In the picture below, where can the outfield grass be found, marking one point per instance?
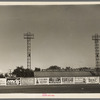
(76, 88)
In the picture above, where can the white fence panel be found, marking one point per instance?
(41, 81)
(92, 80)
(80, 80)
(67, 80)
(2, 81)
(55, 80)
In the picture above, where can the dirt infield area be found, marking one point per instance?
(76, 88)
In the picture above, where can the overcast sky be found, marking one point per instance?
(63, 35)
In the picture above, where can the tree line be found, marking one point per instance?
(24, 72)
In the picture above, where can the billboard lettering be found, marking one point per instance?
(68, 80)
(41, 81)
(54, 80)
(13, 81)
(80, 80)
(92, 80)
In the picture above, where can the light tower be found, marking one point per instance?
(96, 38)
(28, 36)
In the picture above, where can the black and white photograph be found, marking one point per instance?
(50, 49)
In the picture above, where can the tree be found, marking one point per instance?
(29, 73)
(55, 67)
(21, 72)
(1, 76)
(68, 68)
(6, 75)
(84, 69)
(37, 69)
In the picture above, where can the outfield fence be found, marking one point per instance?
(48, 81)
(68, 80)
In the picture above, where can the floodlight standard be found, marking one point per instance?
(28, 36)
(96, 38)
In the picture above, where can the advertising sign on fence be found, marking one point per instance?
(55, 80)
(2, 81)
(68, 80)
(80, 80)
(27, 81)
(13, 81)
(41, 81)
(92, 80)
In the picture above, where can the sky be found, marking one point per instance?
(62, 35)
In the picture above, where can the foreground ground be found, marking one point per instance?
(76, 88)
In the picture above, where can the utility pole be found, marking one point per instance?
(96, 38)
(10, 73)
(28, 36)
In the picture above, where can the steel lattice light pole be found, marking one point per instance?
(28, 36)
(96, 38)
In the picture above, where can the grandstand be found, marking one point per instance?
(63, 74)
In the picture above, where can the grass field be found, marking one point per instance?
(76, 88)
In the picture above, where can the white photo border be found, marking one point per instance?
(56, 95)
